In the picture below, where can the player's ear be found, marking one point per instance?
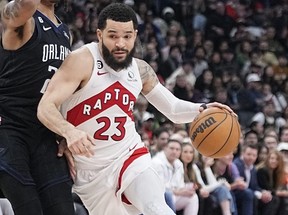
(136, 32)
(99, 34)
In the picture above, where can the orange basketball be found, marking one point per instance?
(215, 132)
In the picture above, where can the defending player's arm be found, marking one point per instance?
(177, 110)
(18, 23)
(17, 13)
(67, 80)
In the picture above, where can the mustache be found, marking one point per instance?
(120, 49)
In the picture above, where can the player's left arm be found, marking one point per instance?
(177, 110)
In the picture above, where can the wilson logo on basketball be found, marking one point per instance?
(200, 129)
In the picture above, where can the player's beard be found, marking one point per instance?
(51, 1)
(112, 62)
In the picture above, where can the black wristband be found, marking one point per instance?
(204, 106)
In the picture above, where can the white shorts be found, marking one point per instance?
(102, 191)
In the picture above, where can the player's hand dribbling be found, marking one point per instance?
(79, 142)
(217, 104)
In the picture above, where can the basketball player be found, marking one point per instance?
(34, 44)
(96, 87)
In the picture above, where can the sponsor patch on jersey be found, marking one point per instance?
(131, 76)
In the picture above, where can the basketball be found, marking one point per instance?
(215, 132)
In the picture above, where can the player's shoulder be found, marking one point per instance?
(143, 66)
(80, 58)
(141, 62)
(82, 52)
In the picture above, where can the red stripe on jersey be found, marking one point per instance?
(136, 154)
(116, 94)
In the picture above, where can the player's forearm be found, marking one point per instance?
(50, 116)
(178, 111)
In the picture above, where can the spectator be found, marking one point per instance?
(209, 186)
(281, 69)
(266, 56)
(263, 151)
(243, 53)
(284, 119)
(233, 89)
(283, 134)
(268, 116)
(277, 99)
(246, 166)
(270, 177)
(199, 60)
(250, 99)
(283, 207)
(273, 42)
(141, 115)
(258, 128)
(225, 168)
(160, 139)
(204, 83)
(152, 54)
(219, 25)
(182, 89)
(171, 171)
(271, 142)
(251, 138)
(186, 69)
(173, 61)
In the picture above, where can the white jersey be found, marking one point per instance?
(104, 109)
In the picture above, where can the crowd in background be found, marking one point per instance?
(231, 51)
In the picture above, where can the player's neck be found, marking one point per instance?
(49, 12)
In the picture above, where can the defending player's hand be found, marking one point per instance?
(63, 149)
(79, 143)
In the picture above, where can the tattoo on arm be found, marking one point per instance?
(147, 72)
(148, 76)
(11, 10)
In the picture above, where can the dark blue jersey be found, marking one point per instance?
(26, 72)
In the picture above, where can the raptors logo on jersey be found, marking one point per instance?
(116, 94)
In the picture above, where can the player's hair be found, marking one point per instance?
(117, 12)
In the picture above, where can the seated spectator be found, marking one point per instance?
(173, 61)
(270, 142)
(250, 99)
(271, 177)
(283, 134)
(204, 83)
(140, 113)
(159, 141)
(258, 127)
(263, 151)
(283, 207)
(268, 116)
(251, 138)
(225, 168)
(209, 186)
(185, 69)
(246, 166)
(171, 171)
(182, 89)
